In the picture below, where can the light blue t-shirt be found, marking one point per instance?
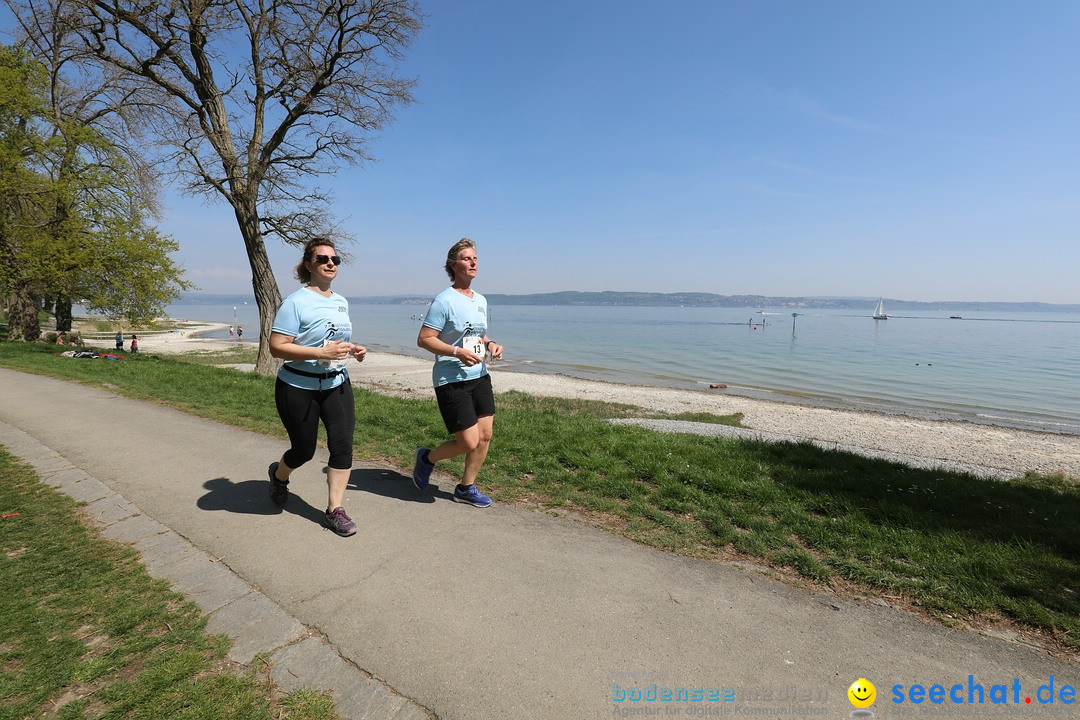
(458, 319)
(313, 320)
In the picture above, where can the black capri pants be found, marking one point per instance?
(301, 410)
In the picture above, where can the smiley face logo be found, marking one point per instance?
(862, 693)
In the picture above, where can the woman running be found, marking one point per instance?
(455, 330)
(312, 333)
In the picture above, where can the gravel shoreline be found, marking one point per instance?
(987, 450)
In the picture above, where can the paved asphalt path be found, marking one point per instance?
(466, 614)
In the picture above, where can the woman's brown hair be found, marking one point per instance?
(302, 273)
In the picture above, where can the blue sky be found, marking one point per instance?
(916, 150)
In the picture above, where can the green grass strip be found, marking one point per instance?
(958, 546)
(85, 632)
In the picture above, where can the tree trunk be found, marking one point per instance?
(267, 295)
(63, 312)
(22, 310)
(22, 315)
(62, 238)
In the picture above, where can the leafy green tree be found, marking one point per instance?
(75, 225)
(104, 189)
(102, 250)
(22, 108)
(125, 278)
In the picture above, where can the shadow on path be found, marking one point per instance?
(252, 497)
(392, 484)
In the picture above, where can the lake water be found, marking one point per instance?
(1016, 369)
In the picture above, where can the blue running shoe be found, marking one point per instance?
(421, 471)
(469, 494)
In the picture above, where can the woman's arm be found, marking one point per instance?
(284, 347)
(429, 340)
(493, 348)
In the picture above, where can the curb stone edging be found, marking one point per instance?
(300, 657)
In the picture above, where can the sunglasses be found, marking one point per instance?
(323, 259)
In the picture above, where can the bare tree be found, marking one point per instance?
(255, 97)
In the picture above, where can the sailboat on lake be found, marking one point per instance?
(879, 313)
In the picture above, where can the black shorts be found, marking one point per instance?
(462, 403)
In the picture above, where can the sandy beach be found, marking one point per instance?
(992, 451)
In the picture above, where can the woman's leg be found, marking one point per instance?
(474, 459)
(464, 442)
(471, 403)
(299, 413)
(282, 471)
(473, 443)
(336, 483)
(339, 417)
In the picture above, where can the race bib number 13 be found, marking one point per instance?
(475, 345)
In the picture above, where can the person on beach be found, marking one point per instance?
(119, 341)
(240, 333)
(455, 330)
(134, 343)
(313, 334)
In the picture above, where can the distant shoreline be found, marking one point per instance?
(688, 299)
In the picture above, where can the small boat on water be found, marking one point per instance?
(955, 317)
(879, 313)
